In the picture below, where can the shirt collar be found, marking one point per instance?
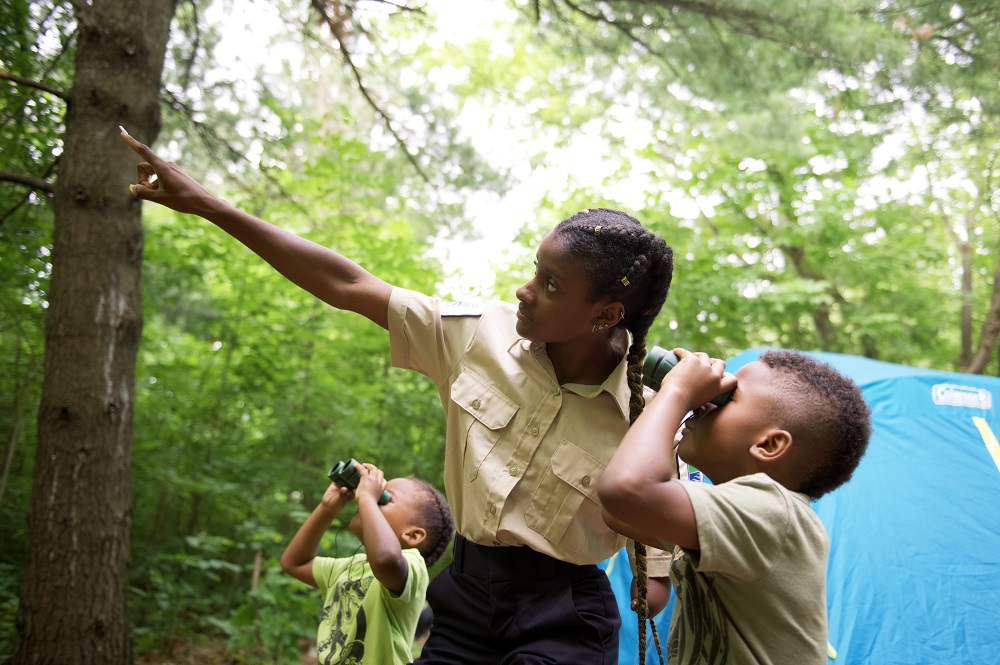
(615, 385)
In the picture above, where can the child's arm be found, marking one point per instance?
(297, 560)
(322, 272)
(385, 554)
(657, 588)
(639, 489)
(627, 530)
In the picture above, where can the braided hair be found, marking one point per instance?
(434, 516)
(634, 266)
(628, 263)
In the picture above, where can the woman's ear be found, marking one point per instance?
(609, 315)
(772, 446)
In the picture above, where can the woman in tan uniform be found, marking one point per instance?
(537, 398)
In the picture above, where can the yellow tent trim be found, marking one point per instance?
(989, 438)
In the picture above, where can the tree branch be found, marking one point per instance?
(38, 85)
(187, 63)
(211, 140)
(37, 180)
(401, 7)
(34, 182)
(336, 26)
(756, 24)
(625, 29)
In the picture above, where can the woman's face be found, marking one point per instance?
(555, 305)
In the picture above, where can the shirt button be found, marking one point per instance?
(586, 481)
(513, 470)
(556, 391)
(476, 404)
(534, 431)
(493, 509)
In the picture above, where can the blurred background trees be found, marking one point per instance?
(826, 176)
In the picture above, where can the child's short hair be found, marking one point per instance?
(827, 416)
(434, 515)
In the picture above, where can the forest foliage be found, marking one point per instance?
(826, 177)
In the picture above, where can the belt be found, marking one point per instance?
(509, 563)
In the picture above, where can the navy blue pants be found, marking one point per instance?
(514, 606)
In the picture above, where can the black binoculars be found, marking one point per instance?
(658, 362)
(345, 475)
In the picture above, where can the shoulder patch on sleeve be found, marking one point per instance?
(451, 308)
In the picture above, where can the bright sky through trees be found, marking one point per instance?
(499, 134)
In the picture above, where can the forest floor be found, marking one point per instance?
(188, 654)
(204, 654)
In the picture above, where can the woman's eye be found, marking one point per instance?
(550, 287)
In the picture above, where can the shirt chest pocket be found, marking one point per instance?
(483, 413)
(565, 507)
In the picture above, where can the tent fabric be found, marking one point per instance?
(620, 574)
(914, 570)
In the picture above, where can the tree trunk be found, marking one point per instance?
(965, 318)
(990, 331)
(73, 598)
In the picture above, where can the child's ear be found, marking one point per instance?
(414, 535)
(772, 445)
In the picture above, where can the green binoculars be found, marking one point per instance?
(658, 362)
(346, 475)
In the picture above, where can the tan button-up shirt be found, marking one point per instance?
(523, 452)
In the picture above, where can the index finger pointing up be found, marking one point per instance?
(141, 149)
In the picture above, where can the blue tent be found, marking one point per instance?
(620, 575)
(914, 570)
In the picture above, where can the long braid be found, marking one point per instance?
(635, 266)
(434, 516)
(642, 604)
(659, 285)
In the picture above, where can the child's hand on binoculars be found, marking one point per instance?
(697, 378)
(372, 481)
(336, 496)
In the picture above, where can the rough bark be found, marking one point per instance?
(989, 332)
(73, 599)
